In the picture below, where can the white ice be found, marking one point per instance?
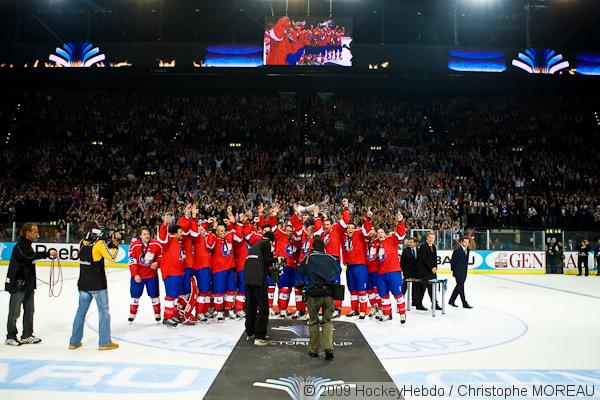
(523, 329)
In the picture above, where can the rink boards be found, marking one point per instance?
(480, 261)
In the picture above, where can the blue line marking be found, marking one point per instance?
(544, 287)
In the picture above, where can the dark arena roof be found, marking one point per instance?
(406, 48)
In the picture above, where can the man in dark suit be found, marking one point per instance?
(258, 265)
(408, 262)
(459, 264)
(426, 270)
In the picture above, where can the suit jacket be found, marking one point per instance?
(408, 263)
(426, 260)
(258, 263)
(459, 263)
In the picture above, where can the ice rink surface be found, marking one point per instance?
(523, 330)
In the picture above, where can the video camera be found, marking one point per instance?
(105, 234)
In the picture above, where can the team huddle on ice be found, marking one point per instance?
(202, 263)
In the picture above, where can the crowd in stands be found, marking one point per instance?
(448, 164)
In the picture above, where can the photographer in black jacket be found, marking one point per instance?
(322, 271)
(21, 284)
(258, 264)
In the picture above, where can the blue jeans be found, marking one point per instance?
(85, 299)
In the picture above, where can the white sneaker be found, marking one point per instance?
(220, 316)
(241, 314)
(12, 342)
(31, 340)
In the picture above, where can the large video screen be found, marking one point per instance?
(308, 41)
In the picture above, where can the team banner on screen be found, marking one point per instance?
(308, 41)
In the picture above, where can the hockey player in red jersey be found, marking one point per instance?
(287, 244)
(240, 252)
(279, 44)
(223, 267)
(202, 265)
(372, 275)
(355, 256)
(144, 255)
(185, 222)
(332, 236)
(389, 270)
(263, 225)
(172, 268)
(306, 230)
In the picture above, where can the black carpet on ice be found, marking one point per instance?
(286, 363)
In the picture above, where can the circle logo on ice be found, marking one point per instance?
(212, 338)
(423, 337)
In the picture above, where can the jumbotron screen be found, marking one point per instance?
(308, 41)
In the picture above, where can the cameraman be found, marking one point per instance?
(93, 250)
(258, 264)
(322, 271)
(21, 284)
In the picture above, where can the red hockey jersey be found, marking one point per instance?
(355, 247)
(186, 243)
(333, 238)
(387, 250)
(202, 256)
(222, 250)
(171, 263)
(141, 257)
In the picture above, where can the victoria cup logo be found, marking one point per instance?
(302, 337)
(78, 55)
(299, 388)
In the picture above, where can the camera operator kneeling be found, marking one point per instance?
(321, 270)
(93, 250)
